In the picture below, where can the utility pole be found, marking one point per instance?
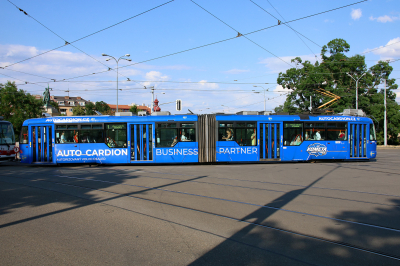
(385, 123)
(152, 98)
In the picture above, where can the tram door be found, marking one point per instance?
(41, 144)
(141, 142)
(358, 140)
(270, 141)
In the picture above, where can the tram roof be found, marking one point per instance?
(192, 117)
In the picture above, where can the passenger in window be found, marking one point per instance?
(62, 139)
(317, 136)
(110, 143)
(76, 137)
(253, 139)
(341, 135)
(174, 141)
(297, 140)
(229, 135)
(183, 137)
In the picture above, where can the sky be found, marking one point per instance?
(190, 50)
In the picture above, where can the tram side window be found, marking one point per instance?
(115, 135)
(166, 135)
(336, 131)
(187, 132)
(92, 133)
(292, 134)
(314, 131)
(246, 134)
(225, 132)
(169, 134)
(67, 134)
(24, 135)
(372, 134)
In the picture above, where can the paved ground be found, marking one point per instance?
(264, 214)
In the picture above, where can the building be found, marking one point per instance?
(67, 104)
(125, 108)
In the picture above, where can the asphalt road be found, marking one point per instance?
(248, 214)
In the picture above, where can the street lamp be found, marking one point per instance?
(356, 87)
(264, 94)
(122, 57)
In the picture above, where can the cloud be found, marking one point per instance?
(204, 84)
(236, 71)
(276, 65)
(384, 19)
(329, 20)
(388, 51)
(356, 14)
(154, 76)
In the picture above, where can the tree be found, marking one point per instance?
(331, 76)
(89, 108)
(55, 105)
(78, 111)
(133, 109)
(16, 105)
(102, 107)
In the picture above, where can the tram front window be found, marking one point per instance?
(6, 134)
(372, 135)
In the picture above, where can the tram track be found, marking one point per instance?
(271, 190)
(254, 181)
(119, 195)
(275, 183)
(264, 189)
(147, 188)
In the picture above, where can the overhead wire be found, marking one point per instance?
(295, 31)
(18, 79)
(67, 43)
(239, 34)
(71, 43)
(221, 41)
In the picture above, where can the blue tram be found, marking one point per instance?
(245, 137)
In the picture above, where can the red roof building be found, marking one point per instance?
(125, 108)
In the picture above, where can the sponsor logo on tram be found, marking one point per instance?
(160, 152)
(78, 153)
(317, 149)
(67, 120)
(337, 118)
(247, 150)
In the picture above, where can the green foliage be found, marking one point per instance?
(279, 109)
(89, 108)
(16, 105)
(102, 107)
(133, 109)
(78, 111)
(55, 105)
(330, 75)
